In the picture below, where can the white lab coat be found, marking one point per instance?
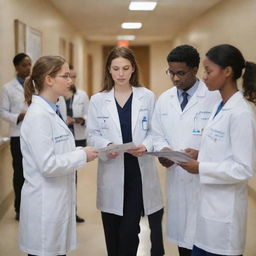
(48, 197)
(103, 127)
(12, 103)
(179, 130)
(227, 161)
(80, 109)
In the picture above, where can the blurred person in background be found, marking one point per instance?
(13, 110)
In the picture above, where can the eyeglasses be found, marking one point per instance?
(179, 74)
(66, 77)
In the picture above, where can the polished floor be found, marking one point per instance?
(90, 233)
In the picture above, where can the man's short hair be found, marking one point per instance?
(19, 58)
(185, 53)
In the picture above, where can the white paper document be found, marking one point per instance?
(175, 156)
(118, 148)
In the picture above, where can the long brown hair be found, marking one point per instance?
(46, 65)
(125, 53)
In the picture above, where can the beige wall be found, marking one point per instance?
(95, 50)
(231, 21)
(40, 15)
(5, 172)
(160, 82)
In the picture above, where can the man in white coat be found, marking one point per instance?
(74, 110)
(13, 110)
(179, 118)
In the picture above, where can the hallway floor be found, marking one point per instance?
(90, 233)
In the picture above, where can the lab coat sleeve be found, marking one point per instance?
(86, 105)
(148, 141)
(158, 136)
(40, 143)
(94, 135)
(5, 108)
(242, 164)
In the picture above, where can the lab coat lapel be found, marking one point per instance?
(18, 86)
(111, 107)
(46, 107)
(174, 100)
(136, 105)
(198, 95)
(61, 122)
(227, 107)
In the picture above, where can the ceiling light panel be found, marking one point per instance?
(142, 6)
(131, 25)
(126, 37)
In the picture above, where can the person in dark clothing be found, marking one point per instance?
(13, 110)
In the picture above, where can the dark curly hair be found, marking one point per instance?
(185, 53)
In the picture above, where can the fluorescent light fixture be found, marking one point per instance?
(142, 6)
(126, 37)
(131, 25)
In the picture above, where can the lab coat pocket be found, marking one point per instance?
(56, 199)
(218, 202)
(200, 120)
(79, 110)
(103, 122)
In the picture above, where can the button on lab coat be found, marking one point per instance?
(48, 198)
(227, 161)
(12, 104)
(103, 128)
(179, 130)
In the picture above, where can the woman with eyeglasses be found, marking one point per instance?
(128, 183)
(50, 159)
(226, 159)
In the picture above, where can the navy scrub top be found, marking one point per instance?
(131, 164)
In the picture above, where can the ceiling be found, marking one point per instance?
(100, 20)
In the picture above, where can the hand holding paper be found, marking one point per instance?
(113, 150)
(165, 162)
(137, 151)
(175, 156)
(192, 166)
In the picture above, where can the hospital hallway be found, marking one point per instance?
(90, 233)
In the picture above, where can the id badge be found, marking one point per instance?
(144, 123)
(197, 131)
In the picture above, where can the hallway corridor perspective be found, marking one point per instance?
(90, 233)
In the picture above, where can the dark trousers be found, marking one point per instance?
(122, 232)
(184, 251)
(156, 234)
(18, 178)
(200, 252)
(79, 143)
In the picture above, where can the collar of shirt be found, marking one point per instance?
(52, 105)
(190, 92)
(20, 80)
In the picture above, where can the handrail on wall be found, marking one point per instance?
(4, 140)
